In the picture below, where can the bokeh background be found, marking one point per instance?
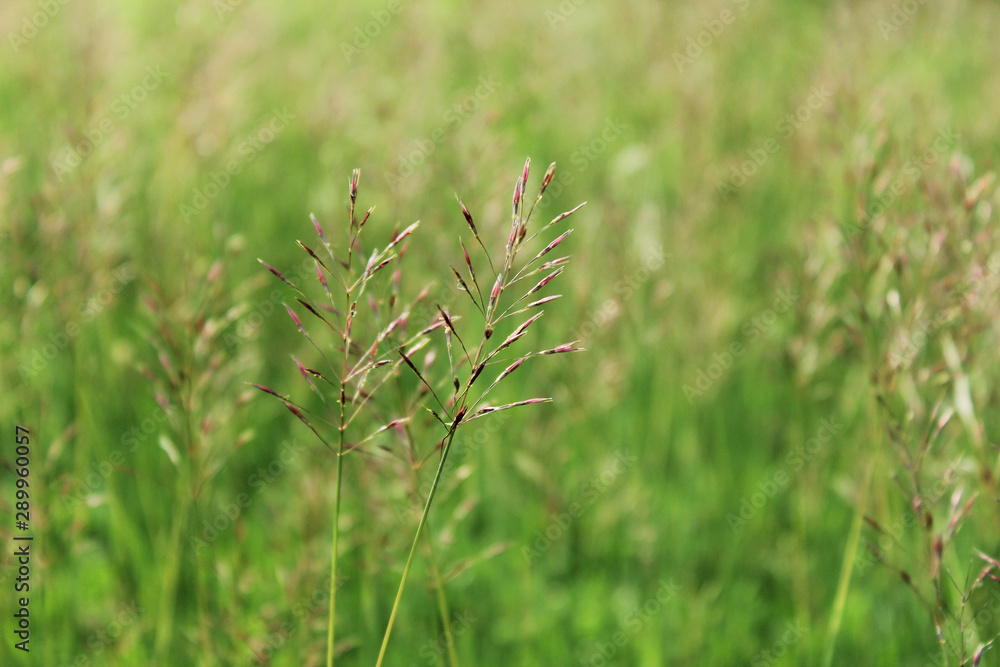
(781, 197)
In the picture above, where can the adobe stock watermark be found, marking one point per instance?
(41, 356)
(713, 29)
(249, 320)
(247, 149)
(984, 617)
(586, 495)
(70, 157)
(586, 154)
(363, 37)
(224, 7)
(904, 351)
(635, 620)
(785, 128)
(106, 637)
(793, 634)
(902, 12)
(906, 176)
(776, 481)
(130, 441)
(890, 534)
(262, 649)
(227, 513)
(451, 118)
(432, 649)
(624, 289)
(752, 330)
(565, 9)
(468, 443)
(31, 25)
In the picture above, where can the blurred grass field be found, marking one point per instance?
(722, 433)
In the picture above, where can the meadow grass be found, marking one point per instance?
(597, 533)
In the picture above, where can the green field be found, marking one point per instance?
(786, 278)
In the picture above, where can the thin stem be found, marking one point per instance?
(165, 626)
(442, 598)
(847, 565)
(208, 654)
(348, 315)
(442, 601)
(416, 540)
(333, 557)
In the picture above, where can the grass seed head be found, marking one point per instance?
(319, 230)
(510, 369)
(468, 217)
(549, 173)
(295, 318)
(266, 390)
(355, 175)
(565, 347)
(517, 197)
(557, 241)
(545, 281)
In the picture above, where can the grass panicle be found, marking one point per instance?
(374, 347)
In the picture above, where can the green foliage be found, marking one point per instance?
(679, 502)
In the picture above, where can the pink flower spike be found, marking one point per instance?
(565, 347)
(510, 369)
(302, 369)
(545, 281)
(321, 277)
(354, 184)
(406, 232)
(487, 410)
(495, 294)
(468, 217)
(298, 413)
(545, 300)
(563, 216)
(295, 318)
(319, 230)
(527, 323)
(556, 262)
(468, 261)
(556, 242)
(266, 390)
(550, 172)
(271, 268)
(437, 325)
(510, 340)
(524, 175)
(530, 401)
(365, 218)
(402, 235)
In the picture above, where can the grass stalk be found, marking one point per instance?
(165, 622)
(847, 565)
(333, 558)
(346, 337)
(353, 377)
(416, 540)
(442, 601)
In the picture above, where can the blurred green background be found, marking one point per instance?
(720, 434)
